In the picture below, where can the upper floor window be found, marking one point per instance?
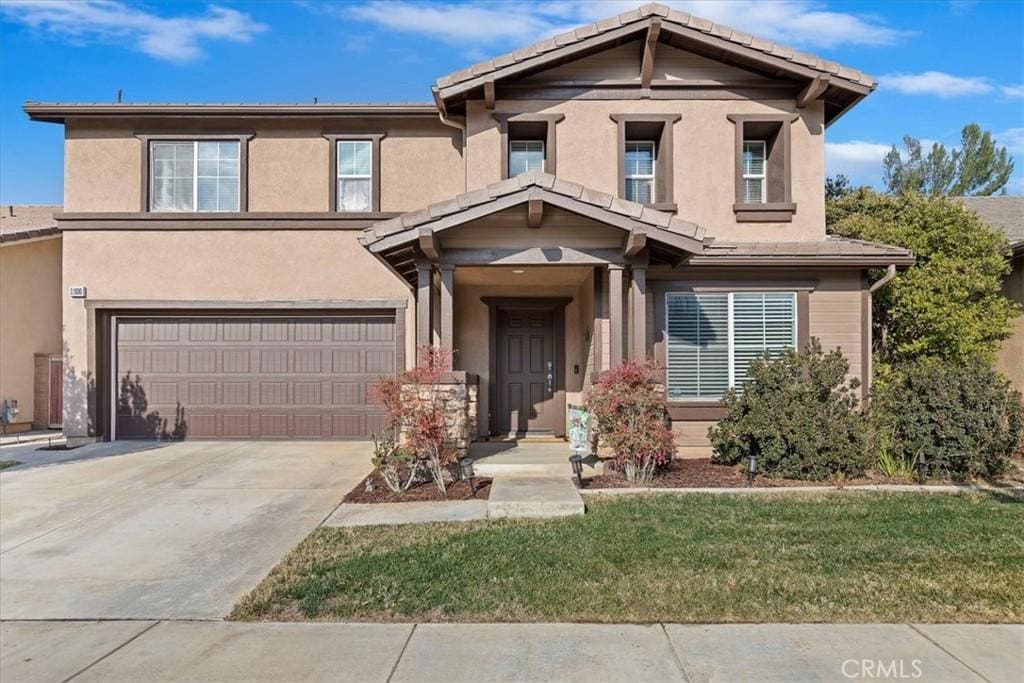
(754, 171)
(355, 175)
(640, 172)
(195, 175)
(713, 337)
(525, 155)
(763, 167)
(645, 158)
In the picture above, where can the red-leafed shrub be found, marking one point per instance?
(415, 414)
(628, 403)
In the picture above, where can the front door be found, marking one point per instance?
(526, 371)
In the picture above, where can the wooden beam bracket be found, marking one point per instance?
(429, 245)
(534, 213)
(635, 243)
(650, 44)
(489, 93)
(812, 91)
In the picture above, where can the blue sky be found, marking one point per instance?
(940, 64)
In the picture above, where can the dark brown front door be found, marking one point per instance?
(526, 371)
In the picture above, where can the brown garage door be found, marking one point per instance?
(251, 377)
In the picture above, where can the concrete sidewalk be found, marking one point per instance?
(228, 651)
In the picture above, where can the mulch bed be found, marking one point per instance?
(425, 491)
(702, 473)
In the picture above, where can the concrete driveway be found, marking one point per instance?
(176, 532)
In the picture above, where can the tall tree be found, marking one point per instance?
(948, 305)
(978, 167)
(836, 187)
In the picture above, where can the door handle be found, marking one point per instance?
(551, 382)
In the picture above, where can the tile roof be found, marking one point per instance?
(656, 220)
(739, 38)
(1002, 213)
(27, 221)
(830, 247)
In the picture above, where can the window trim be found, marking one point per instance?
(730, 335)
(763, 176)
(543, 151)
(334, 139)
(550, 146)
(767, 211)
(663, 150)
(146, 188)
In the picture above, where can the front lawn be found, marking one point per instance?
(853, 557)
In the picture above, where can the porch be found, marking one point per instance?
(535, 286)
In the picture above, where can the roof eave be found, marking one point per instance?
(55, 112)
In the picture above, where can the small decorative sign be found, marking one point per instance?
(76, 291)
(579, 430)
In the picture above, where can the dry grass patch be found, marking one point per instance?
(855, 557)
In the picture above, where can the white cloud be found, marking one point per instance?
(803, 23)
(175, 39)
(1012, 139)
(936, 83)
(1013, 92)
(859, 160)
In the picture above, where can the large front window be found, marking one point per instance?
(714, 336)
(640, 172)
(355, 175)
(195, 175)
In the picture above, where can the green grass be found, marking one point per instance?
(851, 557)
(4, 464)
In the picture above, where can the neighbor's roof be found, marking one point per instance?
(57, 112)
(837, 249)
(1002, 213)
(27, 221)
(682, 23)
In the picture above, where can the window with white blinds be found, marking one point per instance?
(525, 155)
(754, 175)
(640, 172)
(355, 175)
(195, 175)
(713, 337)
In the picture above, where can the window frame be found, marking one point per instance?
(543, 152)
(146, 187)
(799, 334)
(375, 162)
(778, 156)
(506, 122)
(653, 177)
(664, 147)
(763, 176)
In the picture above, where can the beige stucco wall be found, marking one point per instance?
(289, 162)
(703, 155)
(30, 315)
(1010, 360)
(216, 265)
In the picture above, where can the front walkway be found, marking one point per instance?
(233, 651)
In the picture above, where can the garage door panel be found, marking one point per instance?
(251, 377)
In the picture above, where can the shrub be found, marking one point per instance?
(798, 414)
(962, 419)
(628, 403)
(416, 417)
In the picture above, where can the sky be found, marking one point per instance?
(940, 65)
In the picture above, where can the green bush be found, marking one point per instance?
(798, 414)
(961, 419)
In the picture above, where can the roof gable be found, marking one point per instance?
(840, 86)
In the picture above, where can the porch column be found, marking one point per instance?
(423, 305)
(447, 311)
(615, 316)
(639, 309)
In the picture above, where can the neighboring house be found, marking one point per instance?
(1007, 214)
(648, 185)
(30, 318)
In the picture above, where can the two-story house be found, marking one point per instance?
(649, 185)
